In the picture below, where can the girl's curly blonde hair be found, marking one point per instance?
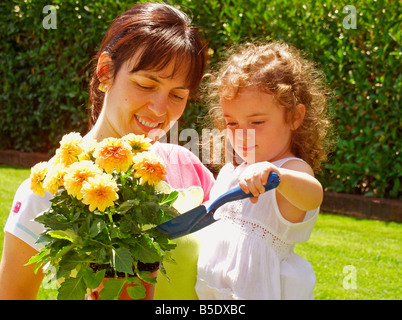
(279, 69)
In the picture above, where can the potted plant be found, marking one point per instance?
(100, 223)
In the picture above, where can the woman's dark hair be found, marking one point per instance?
(163, 33)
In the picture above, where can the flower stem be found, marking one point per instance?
(110, 215)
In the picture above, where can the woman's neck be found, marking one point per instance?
(101, 130)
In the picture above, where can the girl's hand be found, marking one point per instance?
(255, 177)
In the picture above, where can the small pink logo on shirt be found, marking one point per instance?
(17, 207)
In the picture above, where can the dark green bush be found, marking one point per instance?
(44, 79)
(44, 71)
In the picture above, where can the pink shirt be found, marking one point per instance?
(183, 168)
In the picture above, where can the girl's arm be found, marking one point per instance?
(297, 193)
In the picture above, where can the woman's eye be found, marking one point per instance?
(144, 87)
(177, 97)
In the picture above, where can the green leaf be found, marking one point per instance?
(170, 198)
(137, 290)
(93, 279)
(68, 234)
(71, 260)
(127, 205)
(146, 276)
(112, 289)
(38, 256)
(72, 289)
(146, 250)
(97, 227)
(122, 260)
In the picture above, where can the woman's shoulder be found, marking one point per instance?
(25, 208)
(26, 200)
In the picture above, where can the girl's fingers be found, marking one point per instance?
(243, 186)
(254, 185)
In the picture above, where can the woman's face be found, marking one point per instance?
(144, 102)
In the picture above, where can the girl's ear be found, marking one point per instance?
(104, 70)
(298, 116)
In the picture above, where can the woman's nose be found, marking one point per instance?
(159, 104)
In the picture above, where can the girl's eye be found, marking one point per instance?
(231, 124)
(257, 123)
(177, 97)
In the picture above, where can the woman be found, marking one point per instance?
(149, 62)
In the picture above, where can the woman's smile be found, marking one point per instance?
(146, 123)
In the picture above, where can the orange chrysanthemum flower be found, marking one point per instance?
(77, 174)
(113, 154)
(149, 167)
(100, 192)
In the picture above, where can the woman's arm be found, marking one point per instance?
(297, 192)
(17, 281)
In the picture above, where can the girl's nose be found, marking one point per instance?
(246, 132)
(159, 104)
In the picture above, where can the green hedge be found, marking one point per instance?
(44, 74)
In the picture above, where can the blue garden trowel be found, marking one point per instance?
(201, 217)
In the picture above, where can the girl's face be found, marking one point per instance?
(257, 127)
(143, 101)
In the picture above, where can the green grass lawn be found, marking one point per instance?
(352, 258)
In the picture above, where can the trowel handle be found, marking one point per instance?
(237, 193)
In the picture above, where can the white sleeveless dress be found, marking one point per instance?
(248, 253)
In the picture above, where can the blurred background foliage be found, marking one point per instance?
(45, 73)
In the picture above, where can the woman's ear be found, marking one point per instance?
(298, 116)
(104, 70)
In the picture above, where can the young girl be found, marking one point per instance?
(248, 254)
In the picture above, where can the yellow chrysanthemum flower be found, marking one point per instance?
(54, 178)
(149, 167)
(77, 174)
(38, 175)
(88, 149)
(99, 192)
(113, 153)
(70, 149)
(138, 143)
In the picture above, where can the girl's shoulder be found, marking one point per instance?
(283, 161)
(294, 163)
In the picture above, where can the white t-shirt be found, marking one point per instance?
(248, 253)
